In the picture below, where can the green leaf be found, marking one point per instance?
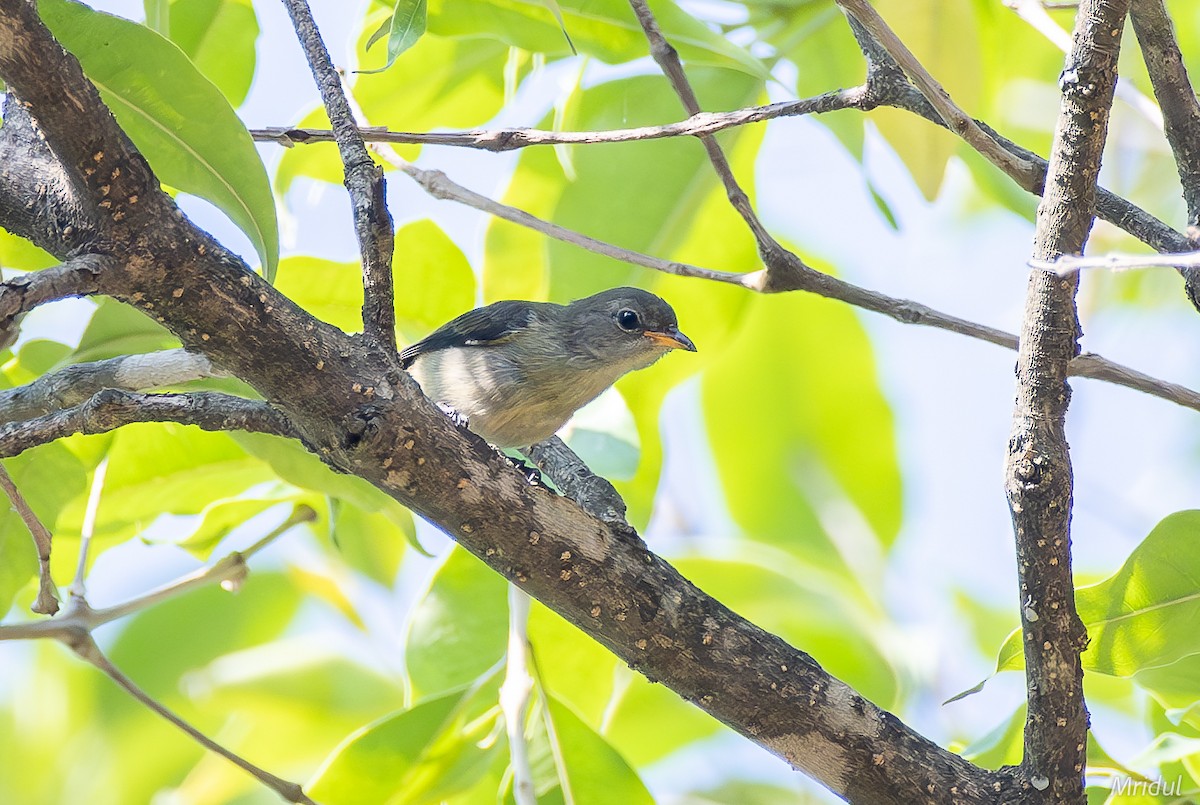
(823, 481)
(144, 648)
(945, 39)
(420, 755)
(301, 468)
(329, 290)
(592, 771)
(605, 29)
(157, 468)
(178, 119)
(406, 27)
(218, 519)
(18, 253)
(1142, 617)
(219, 37)
(459, 628)
(372, 542)
(433, 280)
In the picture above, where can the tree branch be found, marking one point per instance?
(1181, 111)
(74, 384)
(904, 311)
(364, 183)
(780, 262)
(21, 294)
(1039, 480)
(109, 409)
(954, 118)
(47, 597)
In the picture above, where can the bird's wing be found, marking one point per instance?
(493, 324)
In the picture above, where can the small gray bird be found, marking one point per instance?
(518, 370)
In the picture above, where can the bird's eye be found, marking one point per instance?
(628, 320)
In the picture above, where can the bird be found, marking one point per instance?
(517, 371)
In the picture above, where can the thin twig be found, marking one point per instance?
(85, 646)
(1069, 264)
(78, 588)
(109, 409)
(499, 140)
(47, 598)
(364, 182)
(775, 257)
(440, 186)
(229, 571)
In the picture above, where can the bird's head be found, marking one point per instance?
(625, 327)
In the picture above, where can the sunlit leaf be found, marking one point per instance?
(404, 29)
(421, 755)
(459, 627)
(434, 282)
(592, 771)
(606, 29)
(179, 120)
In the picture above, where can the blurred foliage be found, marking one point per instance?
(307, 671)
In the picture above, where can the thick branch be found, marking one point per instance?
(74, 384)
(364, 182)
(1039, 475)
(109, 409)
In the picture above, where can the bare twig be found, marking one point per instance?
(775, 257)
(499, 140)
(74, 629)
(514, 696)
(87, 649)
(74, 277)
(1180, 109)
(1068, 264)
(364, 182)
(72, 385)
(88, 530)
(955, 118)
(111, 408)
(1039, 479)
(47, 597)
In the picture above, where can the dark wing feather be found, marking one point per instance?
(492, 324)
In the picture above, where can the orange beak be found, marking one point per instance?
(672, 339)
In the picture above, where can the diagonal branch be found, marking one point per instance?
(74, 384)
(779, 261)
(109, 409)
(1039, 481)
(47, 597)
(364, 182)
(952, 116)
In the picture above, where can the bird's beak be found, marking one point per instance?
(672, 339)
